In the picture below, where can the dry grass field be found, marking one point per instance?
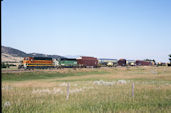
(99, 90)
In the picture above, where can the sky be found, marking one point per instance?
(130, 29)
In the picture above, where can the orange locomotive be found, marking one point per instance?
(37, 62)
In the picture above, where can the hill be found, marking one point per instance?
(9, 54)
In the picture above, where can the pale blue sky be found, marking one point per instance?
(131, 29)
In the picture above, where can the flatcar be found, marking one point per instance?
(130, 62)
(107, 62)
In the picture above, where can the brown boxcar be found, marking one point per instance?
(122, 62)
(87, 61)
(143, 63)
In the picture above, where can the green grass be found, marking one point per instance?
(103, 99)
(151, 94)
(43, 75)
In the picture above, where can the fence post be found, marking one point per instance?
(133, 89)
(67, 97)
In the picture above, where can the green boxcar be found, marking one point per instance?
(68, 62)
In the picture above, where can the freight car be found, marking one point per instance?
(39, 63)
(67, 63)
(85, 61)
(143, 63)
(130, 62)
(107, 62)
(122, 62)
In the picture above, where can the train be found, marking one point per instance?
(38, 62)
(80, 62)
(47, 63)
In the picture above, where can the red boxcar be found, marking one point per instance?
(143, 63)
(87, 61)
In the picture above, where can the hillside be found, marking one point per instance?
(9, 54)
(13, 52)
